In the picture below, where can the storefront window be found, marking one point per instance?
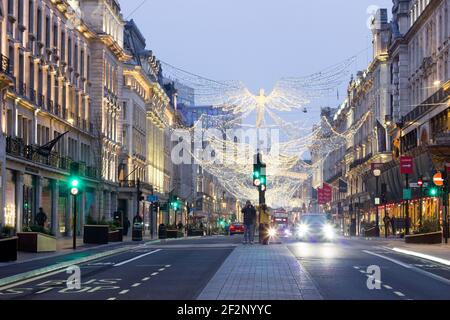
(10, 199)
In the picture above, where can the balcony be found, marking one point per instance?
(6, 76)
(361, 161)
(16, 147)
(425, 107)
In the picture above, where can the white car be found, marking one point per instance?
(315, 227)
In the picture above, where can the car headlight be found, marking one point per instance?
(272, 232)
(328, 231)
(287, 232)
(302, 230)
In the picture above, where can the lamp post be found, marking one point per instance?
(377, 174)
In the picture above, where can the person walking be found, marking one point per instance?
(249, 213)
(126, 226)
(41, 218)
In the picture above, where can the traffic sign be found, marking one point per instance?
(438, 179)
(407, 194)
(416, 185)
(152, 198)
(406, 165)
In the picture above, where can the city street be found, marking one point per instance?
(180, 270)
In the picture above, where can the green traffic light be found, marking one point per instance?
(75, 183)
(263, 180)
(433, 192)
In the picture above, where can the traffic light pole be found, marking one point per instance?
(74, 227)
(407, 208)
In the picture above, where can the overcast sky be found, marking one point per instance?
(256, 41)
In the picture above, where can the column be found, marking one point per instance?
(2, 183)
(54, 212)
(19, 200)
(38, 192)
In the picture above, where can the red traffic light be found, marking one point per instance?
(420, 182)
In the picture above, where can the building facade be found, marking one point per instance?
(402, 99)
(48, 95)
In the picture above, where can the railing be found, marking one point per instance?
(334, 178)
(16, 147)
(425, 107)
(5, 66)
(361, 161)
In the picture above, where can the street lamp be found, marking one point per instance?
(377, 174)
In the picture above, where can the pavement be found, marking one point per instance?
(221, 268)
(256, 272)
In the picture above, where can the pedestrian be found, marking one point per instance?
(126, 226)
(249, 213)
(387, 222)
(393, 225)
(41, 218)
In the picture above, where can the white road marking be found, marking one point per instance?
(146, 279)
(16, 284)
(111, 299)
(423, 256)
(168, 266)
(362, 271)
(407, 266)
(357, 268)
(162, 269)
(136, 285)
(154, 274)
(136, 258)
(399, 294)
(124, 291)
(387, 287)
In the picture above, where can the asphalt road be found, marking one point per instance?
(176, 270)
(179, 270)
(340, 271)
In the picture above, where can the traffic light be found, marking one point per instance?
(74, 185)
(263, 179)
(257, 175)
(433, 192)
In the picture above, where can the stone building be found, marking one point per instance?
(104, 19)
(46, 93)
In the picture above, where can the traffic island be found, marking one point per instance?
(36, 242)
(424, 238)
(8, 249)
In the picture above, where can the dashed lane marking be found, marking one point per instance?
(146, 279)
(154, 274)
(357, 268)
(136, 285)
(124, 291)
(136, 258)
(412, 268)
(399, 293)
(162, 269)
(111, 299)
(387, 287)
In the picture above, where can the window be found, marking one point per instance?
(69, 48)
(20, 13)
(39, 24)
(11, 7)
(63, 46)
(47, 31)
(31, 85)
(31, 16)
(55, 35)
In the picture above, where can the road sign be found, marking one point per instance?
(328, 192)
(438, 179)
(416, 185)
(406, 165)
(407, 194)
(152, 198)
(377, 201)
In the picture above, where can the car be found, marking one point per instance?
(236, 228)
(315, 227)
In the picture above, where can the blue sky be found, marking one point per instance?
(256, 41)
